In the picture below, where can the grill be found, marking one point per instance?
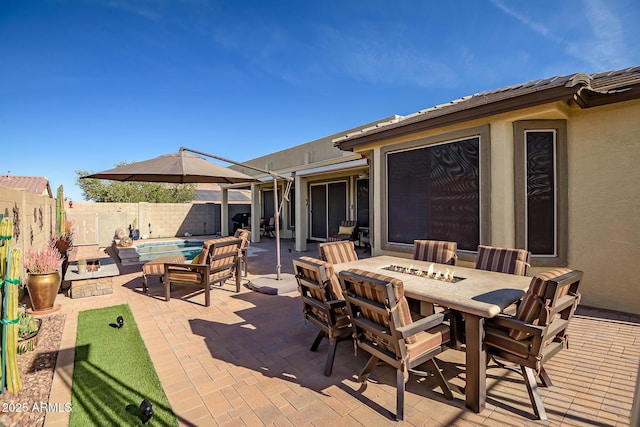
(240, 220)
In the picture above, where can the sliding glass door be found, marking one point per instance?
(328, 208)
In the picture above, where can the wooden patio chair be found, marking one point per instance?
(220, 264)
(348, 230)
(322, 304)
(503, 260)
(437, 251)
(538, 331)
(383, 327)
(338, 252)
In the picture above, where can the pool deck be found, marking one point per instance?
(245, 360)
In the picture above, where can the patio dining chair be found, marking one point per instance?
(217, 264)
(383, 327)
(338, 252)
(322, 304)
(348, 230)
(437, 251)
(538, 331)
(503, 260)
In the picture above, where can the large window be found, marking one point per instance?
(540, 153)
(433, 192)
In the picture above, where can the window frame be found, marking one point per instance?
(520, 129)
(483, 133)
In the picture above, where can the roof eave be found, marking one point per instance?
(590, 98)
(503, 106)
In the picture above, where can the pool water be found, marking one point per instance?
(187, 248)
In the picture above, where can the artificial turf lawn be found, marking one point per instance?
(113, 373)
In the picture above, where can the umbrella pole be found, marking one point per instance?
(276, 217)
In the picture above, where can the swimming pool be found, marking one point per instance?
(187, 248)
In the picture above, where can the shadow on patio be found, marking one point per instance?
(246, 360)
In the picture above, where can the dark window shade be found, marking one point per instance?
(292, 207)
(337, 212)
(318, 211)
(434, 193)
(541, 197)
(362, 201)
(268, 209)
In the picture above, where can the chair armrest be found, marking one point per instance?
(424, 324)
(338, 303)
(512, 323)
(193, 267)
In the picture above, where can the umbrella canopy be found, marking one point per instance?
(177, 168)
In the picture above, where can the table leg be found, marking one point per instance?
(476, 361)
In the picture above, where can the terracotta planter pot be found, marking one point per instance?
(43, 288)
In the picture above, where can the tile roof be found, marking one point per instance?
(586, 90)
(33, 184)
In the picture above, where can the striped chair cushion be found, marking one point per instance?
(503, 260)
(245, 235)
(529, 310)
(156, 267)
(222, 256)
(335, 291)
(398, 292)
(427, 340)
(338, 252)
(437, 251)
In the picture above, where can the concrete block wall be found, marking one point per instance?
(154, 220)
(33, 216)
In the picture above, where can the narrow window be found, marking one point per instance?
(541, 192)
(541, 183)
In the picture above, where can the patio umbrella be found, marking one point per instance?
(183, 167)
(177, 168)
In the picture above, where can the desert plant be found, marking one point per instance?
(44, 260)
(26, 324)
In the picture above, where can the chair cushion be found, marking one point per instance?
(503, 260)
(156, 267)
(530, 307)
(335, 289)
(441, 252)
(345, 230)
(338, 252)
(428, 340)
(404, 313)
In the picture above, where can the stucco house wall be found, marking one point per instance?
(604, 204)
(603, 151)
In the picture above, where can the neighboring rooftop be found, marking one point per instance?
(211, 192)
(33, 184)
(585, 90)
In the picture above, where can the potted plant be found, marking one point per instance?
(28, 328)
(82, 266)
(134, 232)
(64, 243)
(43, 276)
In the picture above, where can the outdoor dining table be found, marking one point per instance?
(477, 294)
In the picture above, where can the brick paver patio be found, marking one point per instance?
(246, 361)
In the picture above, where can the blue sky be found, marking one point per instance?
(85, 84)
